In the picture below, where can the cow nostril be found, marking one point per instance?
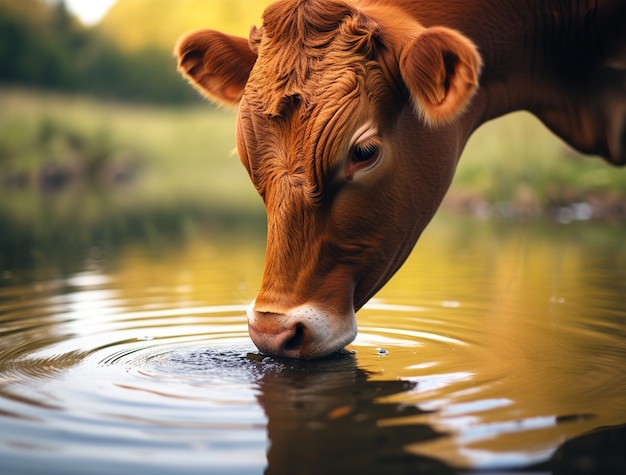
(296, 341)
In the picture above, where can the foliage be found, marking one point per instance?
(49, 153)
(184, 175)
(515, 166)
(183, 153)
(42, 45)
(163, 22)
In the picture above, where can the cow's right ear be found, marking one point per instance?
(218, 65)
(440, 68)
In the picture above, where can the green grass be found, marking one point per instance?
(185, 155)
(515, 158)
(187, 178)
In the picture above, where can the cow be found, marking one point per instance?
(352, 116)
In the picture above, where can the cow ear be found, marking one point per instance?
(440, 68)
(218, 65)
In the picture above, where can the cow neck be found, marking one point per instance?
(528, 52)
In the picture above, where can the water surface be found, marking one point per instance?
(495, 344)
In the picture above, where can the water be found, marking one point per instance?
(495, 344)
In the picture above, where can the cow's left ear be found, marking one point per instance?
(440, 68)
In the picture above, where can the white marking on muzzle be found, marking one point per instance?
(321, 334)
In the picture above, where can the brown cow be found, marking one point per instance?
(352, 117)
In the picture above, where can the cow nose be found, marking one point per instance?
(303, 332)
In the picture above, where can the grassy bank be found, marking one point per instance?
(515, 166)
(172, 155)
(78, 177)
(176, 156)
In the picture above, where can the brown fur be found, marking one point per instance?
(207, 58)
(440, 67)
(323, 83)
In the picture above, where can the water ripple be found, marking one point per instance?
(154, 377)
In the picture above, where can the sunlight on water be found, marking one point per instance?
(491, 347)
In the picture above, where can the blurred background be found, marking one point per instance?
(102, 141)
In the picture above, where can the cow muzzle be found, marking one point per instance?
(303, 332)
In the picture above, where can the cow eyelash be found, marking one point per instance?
(366, 151)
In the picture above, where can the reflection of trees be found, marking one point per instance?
(324, 417)
(65, 230)
(542, 307)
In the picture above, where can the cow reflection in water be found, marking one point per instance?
(324, 417)
(330, 416)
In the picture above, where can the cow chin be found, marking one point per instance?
(304, 332)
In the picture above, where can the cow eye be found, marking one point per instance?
(365, 152)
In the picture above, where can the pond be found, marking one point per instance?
(497, 342)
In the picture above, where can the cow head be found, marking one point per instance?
(346, 128)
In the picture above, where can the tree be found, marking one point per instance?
(43, 45)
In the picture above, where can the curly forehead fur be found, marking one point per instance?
(301, 44)
(317, 62)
